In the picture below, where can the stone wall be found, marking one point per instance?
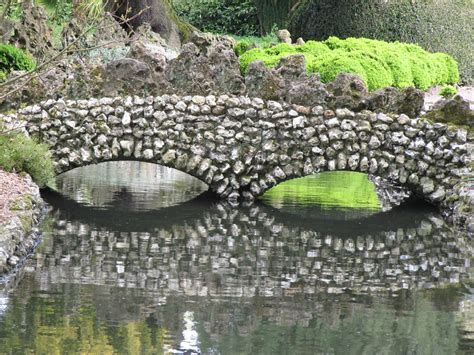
(20, 234)
(242, 146)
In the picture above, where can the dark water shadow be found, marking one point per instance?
(408, 215)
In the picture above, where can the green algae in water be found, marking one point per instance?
(330, 190)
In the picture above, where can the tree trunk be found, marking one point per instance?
(274, 12)
(159, 14)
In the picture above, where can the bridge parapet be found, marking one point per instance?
(242, 146)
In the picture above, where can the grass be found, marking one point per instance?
(21, 154)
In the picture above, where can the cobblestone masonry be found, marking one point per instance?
(241, 146)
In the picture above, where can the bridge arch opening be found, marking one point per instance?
(129, 185)
(336, 195)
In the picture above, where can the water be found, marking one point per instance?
(331, 195)
(118, 274)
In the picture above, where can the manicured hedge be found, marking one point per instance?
(436, 25)
(379, 64)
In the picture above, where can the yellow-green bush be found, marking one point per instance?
(378, 63)
(257, 54)
(313, 47)
(21, 154)
(330, 64)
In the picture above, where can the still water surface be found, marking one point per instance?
(125, 268)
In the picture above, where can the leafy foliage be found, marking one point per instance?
(379, 64)
(12, 58)
(220, 16)
(21, 154)
(448, 91)
(437, 26)
(92, 8)
(246, 43)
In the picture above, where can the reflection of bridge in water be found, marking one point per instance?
(255, 280)
(219, 251)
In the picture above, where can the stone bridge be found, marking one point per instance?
(241, 146)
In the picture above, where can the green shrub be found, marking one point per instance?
(3, 76)
(257, 54)
(242, 46)
(399, 65)
(451, 75)
(314, 48)
(378, 73)
(379, 64)
(437, 26)
(246, 43)
(12, 58)
(220, 16)
(330, 64)
(281, 49)
(21, 154)
(448, 91)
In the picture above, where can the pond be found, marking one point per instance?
(136, 260)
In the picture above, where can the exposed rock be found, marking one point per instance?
(153, 42)
(47, 86)
(287, 82)
(455, 111)
(408, 101)
(149, 54)
(33, 34)
(284, 36)
(214, 72)
(21, 210)
(6, 30)
(347, 91)
(110, 31)
(309, 90)
(292, 67)
(262, 82)
(129, 76)
(300, 41)
(204, 40)
(389, 194)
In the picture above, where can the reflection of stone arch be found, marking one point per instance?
(241, 147)
(249, 251)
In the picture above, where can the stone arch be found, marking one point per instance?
(71, 166)
(242, 146)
